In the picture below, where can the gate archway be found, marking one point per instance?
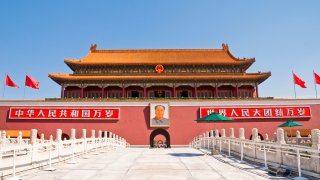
(159, 132)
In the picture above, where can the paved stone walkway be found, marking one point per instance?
(144, 163)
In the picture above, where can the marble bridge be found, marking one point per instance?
(209, 155)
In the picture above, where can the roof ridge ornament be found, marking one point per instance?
(225, 46)
(93, 47)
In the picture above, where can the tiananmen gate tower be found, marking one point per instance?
(148, 95)
(159, 73)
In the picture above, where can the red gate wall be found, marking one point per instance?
(134, 123)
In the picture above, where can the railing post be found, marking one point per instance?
(118, 140)
(41, 138)
(255, 138)
(298, 161)
(213, 143)
(20, 138)
(280, 141)
(231, 133)
(266, 137)
(14, 166)
(216, 136)
(254, 151)
(223, 133)
(105, 141)
(94, 144)
(255, 135)
(315, 135)
(33, 141)
(241, 138)
(50, 159)
(1, 138)
(241, 149)
(84, 138)
(216, 133)
(241, 134)
(4, 138)
(204, 140)
(73, 144)
(73, 134)
(280, 136)
(208, 140)
(58, 140)
(196, 142)
(229, 147)
(211, 132)
(265, 157)
(100, 137)
(114, 142)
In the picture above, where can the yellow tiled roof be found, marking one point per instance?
(160, 56)
(244, 76)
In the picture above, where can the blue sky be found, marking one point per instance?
(37, 36)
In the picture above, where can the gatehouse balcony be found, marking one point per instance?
(159, 92)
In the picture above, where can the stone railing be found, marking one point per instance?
(18, 155)
(301, 159)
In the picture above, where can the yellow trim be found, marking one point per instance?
(14, 133)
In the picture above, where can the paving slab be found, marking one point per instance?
(145, 163)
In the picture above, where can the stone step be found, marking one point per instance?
(279, 171)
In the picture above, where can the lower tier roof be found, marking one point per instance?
(256, 77)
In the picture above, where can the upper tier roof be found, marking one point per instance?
(257, 77)
(159, 56)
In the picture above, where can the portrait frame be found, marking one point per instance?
(166, 115)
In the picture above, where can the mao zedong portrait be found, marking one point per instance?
(159, 119)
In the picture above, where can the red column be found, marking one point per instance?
(195, 90)
(144, 91)
(216, 90)
(257, 90)
(102, 92)
(106, 91)
(237, 91)
(174, 90)
(123, 91)
(62, 91)
(82, 92)
(213, 92)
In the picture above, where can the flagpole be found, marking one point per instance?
(315, 84)
(24, 90)
(4, 88)
(4, 85)
(294, 87)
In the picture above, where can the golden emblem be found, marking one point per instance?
(159, 68)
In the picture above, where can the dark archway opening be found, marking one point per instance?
(134, 94)
(162, 132)
(214, 134)
(261, 137)
(184, 94)
(65, 136)
(159, 94)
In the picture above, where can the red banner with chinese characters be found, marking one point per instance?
(259, 112)
(97, 113)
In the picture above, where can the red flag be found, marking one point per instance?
(10, 83)
(316, 78)
(31, 82)
(299, 81)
